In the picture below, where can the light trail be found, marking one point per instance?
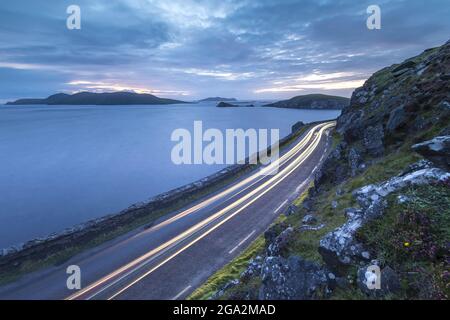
(140, 262)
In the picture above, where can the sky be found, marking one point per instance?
(186, 49)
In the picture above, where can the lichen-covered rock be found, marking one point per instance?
(333, 168)
(292, 279)
(339, 248)
(369, 194)
(436, 150)
(309, 219)
(281, 241)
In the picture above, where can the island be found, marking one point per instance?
(312, 101)
(91, 98)
(223, 104)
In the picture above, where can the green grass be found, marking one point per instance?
(231, 271)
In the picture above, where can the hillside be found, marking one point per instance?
(312, 101)
(380, 200)
(218, 99)
(89, 98)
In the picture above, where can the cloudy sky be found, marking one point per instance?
(249, 49)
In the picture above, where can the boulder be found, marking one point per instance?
(437, 150)
(309, 219)
(292, 209)
(292, 279)
(339, 248)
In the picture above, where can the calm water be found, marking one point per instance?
(63, 165)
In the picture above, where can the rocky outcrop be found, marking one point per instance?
(293, 279)
(436, 150)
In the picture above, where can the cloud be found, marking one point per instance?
(243, 48)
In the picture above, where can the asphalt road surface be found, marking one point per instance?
(183, 249)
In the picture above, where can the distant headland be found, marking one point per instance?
(91, 98)
(218, 99)
(312, 101)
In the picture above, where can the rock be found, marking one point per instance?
(292, 209)
(292, 279)
(273, 232)
(332, 168)
(373, 140)
(367, 195)
(365, 255)
(419, 165)
(311, 228)
(350, 125)
(309, 219)
(402, 199)
(389, 281)
(352, 212)
(437, 150)
(396, 119)
(339, 248)
(280, 242)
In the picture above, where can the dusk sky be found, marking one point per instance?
(188, 49)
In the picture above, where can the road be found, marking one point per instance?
(181, 250)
